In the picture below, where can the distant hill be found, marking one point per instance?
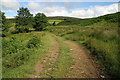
(84, 22)
(61, 18)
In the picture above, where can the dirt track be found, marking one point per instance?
(83, 67)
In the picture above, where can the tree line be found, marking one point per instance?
(25, 20)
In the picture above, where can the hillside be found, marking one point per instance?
(61, 18)
(84, 22)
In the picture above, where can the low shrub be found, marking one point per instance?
(14, 52)
(33, 42)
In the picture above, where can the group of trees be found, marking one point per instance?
(25, 20)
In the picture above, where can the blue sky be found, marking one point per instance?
(71, 9)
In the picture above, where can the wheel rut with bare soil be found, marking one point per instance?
(45, 64)
(83, 67)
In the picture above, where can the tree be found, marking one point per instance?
(4, 25)
(2, 20)
(24, 20)
(40, 21)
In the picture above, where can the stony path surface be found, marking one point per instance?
(83, 67)
(44, 65)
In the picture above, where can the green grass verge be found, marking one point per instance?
(64, 61)
(37, 53)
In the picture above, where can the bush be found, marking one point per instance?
(16, 59)
(15, 32)
(11, 46)
(14, 52)
(33, 42)
(3, 35)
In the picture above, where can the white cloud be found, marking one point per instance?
(9, 4)
(82, 13)
(55, 11)
(7, 10)
(95, 11)
(9, 17)
(102, 10)
(49, 8)
(34, 6)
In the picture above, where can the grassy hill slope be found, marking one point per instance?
(84, 22)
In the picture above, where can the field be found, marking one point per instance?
(73, 48)
(56, 21)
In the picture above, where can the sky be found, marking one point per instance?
(70, 8)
